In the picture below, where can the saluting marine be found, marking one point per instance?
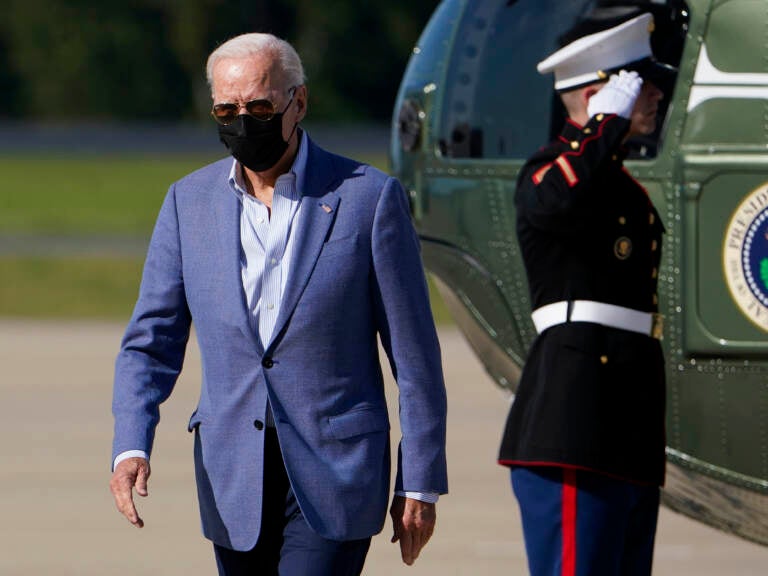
(585, 435)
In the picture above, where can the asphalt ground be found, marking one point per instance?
(59, 518)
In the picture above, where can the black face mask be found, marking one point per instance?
(256, 144)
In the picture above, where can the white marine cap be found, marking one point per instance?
(592, 58)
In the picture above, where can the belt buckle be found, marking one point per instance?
(657, 326)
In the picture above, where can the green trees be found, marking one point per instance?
(67, 60)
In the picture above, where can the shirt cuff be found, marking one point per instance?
(428, 497)
(129, 454)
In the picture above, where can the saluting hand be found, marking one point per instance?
(129, 474)
(618, 96)
(413, 522)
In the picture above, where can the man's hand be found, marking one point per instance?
(413, 522)
(618, 96)
(129, 474)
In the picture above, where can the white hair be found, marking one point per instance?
(247, 45)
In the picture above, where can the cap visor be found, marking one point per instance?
(653, 70)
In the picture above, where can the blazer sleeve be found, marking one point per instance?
(152, 350)
(408, 335)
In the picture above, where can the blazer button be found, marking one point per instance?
(267, 362)
(258, 424)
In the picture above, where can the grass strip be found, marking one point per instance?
(69, 288)
(96, 195)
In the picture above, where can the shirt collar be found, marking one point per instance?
(297, 172)
(571, 131)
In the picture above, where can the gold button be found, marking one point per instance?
(655, 299)
(614, 157)
(603, 359)
(622, 220)
(654, 273)
(574, 145)
(599, 117)
(654, 246)
(651, 218)
(587, 130)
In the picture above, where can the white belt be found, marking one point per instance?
(647, 323)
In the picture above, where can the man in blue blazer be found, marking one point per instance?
(290, 261)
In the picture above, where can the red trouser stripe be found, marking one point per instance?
(569, 523)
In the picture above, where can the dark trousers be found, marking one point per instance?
(287, 546)
(579, 523)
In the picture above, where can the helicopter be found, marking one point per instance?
(471, 108)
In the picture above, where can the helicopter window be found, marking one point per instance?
(497, 105)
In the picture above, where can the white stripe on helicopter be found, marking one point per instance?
(710, 82)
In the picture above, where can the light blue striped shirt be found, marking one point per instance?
(266, 241)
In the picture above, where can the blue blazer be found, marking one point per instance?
(356, 274)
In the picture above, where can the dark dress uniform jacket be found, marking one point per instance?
(590, 396)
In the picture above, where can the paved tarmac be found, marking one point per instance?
(59, 518)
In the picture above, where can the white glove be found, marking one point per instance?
(618, 96)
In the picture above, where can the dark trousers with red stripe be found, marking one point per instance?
(580, 523)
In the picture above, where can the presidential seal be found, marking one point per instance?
(745, 257)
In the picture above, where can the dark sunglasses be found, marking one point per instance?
(260, 109)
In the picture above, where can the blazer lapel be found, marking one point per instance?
(233, 302)
(318, 212)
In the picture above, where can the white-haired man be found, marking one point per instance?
(290, 261)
